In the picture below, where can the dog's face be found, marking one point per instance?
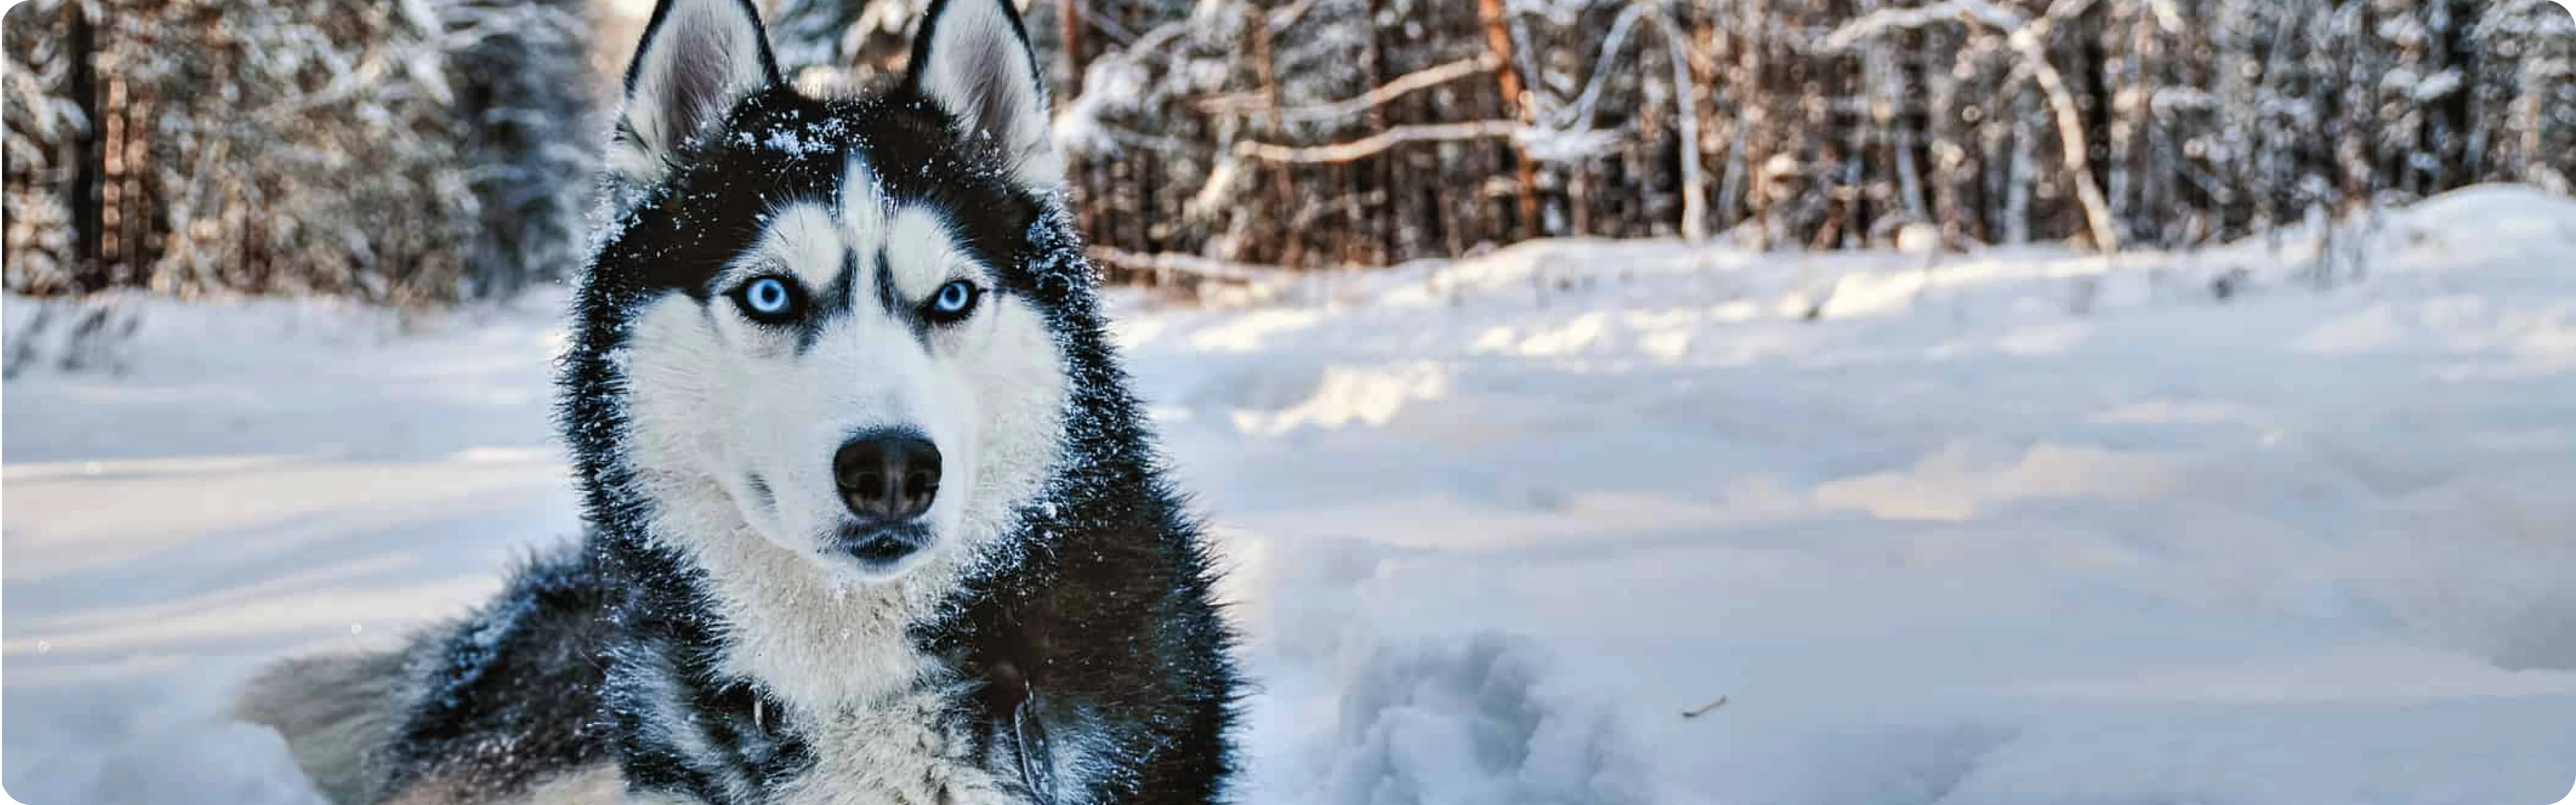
(829, 328)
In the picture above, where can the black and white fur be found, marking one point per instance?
(1044, 632)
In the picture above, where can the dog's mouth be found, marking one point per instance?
(881, 547)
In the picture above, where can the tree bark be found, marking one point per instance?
(1498, 41)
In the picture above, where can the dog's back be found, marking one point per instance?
(332, 710)
(501, 703)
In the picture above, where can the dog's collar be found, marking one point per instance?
(1014, 703)
(1037, 764)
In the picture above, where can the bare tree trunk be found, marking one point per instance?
(1498, 41)
(1069, 58)
(82, 196)
(1686, 106)
(2071, 143)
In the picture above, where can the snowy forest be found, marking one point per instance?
(429, 150)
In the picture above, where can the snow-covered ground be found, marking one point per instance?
(2021, 528)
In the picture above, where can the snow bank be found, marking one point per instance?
(2017, 526)
(2010, 527)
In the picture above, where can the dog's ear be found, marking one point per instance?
(698, 58)
(972, 57)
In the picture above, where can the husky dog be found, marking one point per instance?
(872, 517)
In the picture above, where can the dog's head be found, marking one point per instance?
(827, 334)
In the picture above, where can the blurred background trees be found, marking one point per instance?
(439, 149)
(420, 150)
(1327, 132)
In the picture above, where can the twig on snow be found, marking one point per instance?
(1705, 709)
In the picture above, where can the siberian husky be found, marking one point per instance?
(872, 517)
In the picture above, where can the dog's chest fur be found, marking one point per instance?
(773, 684)
(907, 748)
(731, 740)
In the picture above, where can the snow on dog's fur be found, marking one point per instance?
(872, 516)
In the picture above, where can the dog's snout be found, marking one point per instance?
(887, 476)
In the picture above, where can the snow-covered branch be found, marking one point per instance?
(1378, 142)
(1351, 107)
(1186, 265)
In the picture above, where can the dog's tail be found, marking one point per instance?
(335, 710)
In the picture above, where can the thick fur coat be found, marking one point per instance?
(782, 274)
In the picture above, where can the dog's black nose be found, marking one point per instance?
(887, 476)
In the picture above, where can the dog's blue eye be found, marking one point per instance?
(955, 300)
(769, 299)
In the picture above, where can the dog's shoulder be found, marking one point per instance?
(508, 696)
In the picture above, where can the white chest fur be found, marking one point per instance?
(894, 751)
